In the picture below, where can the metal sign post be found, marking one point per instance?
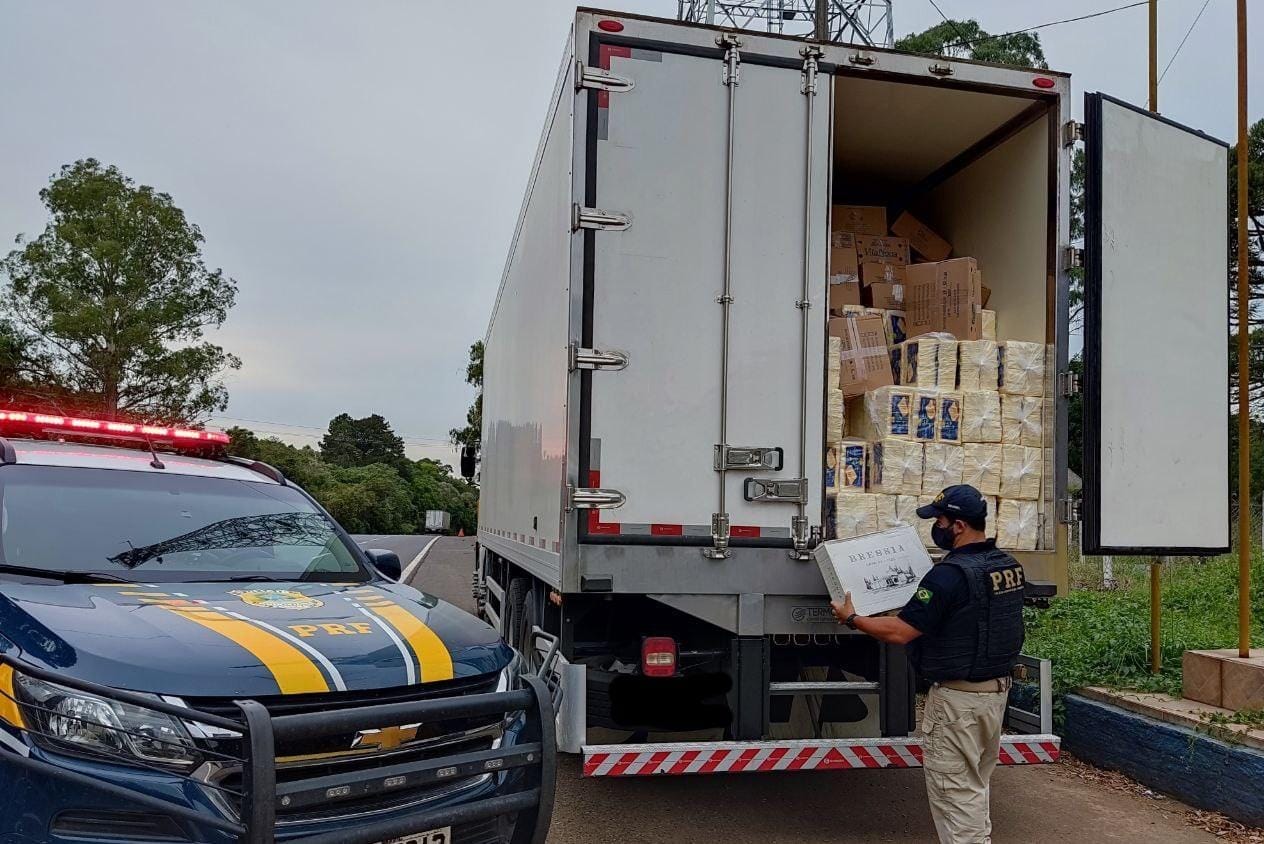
(1244, 330)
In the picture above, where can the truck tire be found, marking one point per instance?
(528, 622)
(515, 602)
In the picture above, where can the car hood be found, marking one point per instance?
(256, 639)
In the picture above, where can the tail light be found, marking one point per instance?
(658, 656)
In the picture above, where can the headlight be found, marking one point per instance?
(68, 718)
(510, 675)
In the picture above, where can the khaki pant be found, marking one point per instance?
(962, 740)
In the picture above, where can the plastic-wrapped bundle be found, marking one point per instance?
(835, 415)
(1017, 525)
(1048, 423)
(981, 417)
(987, 322)
(1021, 420)
(895, 467)
(948, 429)
(888, 511)
(946, 364)
(894, 322)
(977, 366)
(1020, 472)
(924, 525)
(834, 363)
(982, 467)
(920, 362)
(990, 502)
(1022, 368)
(889, 412)
(906, 509)
(853, 465)
(855, 513)
(942, 466)
(925, 415)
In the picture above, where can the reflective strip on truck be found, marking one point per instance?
(733, 757)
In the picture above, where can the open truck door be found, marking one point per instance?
(1156, 392)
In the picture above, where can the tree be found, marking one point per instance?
(472, 433)
(114, 300)
(966, 39)
(361, 442)
(370, 499)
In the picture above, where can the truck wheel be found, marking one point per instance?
(528, 623)
(515, 602)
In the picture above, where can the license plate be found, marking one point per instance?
(430, 836)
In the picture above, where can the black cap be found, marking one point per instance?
(956, 502)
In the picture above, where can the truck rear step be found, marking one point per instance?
(732, 757)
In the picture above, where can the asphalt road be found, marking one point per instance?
(1045, 803)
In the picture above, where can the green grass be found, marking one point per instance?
(1101, 637)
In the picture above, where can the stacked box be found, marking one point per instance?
(895, 325)
(1022, 368)
(988, 321)
(1021, 420)
(831, 474)
(925, 415)
(906, 509)
(1020, 472)
(977, 366)
(835, 415)
(853, 465)
(981, 417)
(982, 467)
(1017, 525)
(924, 525)
(855, 514)
(920, 366)
(990, 502)
(888, 511)
(942, 466)
(895, 467)
(1048, 422)
(948, 430)
(889, 413)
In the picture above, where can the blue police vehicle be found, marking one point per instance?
(192, 650)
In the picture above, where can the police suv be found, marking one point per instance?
(192, 650)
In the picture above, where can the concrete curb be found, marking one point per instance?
(1192, 766)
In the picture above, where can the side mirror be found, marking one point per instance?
(468, 460)
(387, 563)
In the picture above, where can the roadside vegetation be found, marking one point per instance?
(1099, 636)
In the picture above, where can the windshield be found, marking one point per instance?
(158, 526)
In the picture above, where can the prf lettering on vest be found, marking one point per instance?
(1007, 580)
(352, 628)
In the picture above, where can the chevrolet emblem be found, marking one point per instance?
(385, 738)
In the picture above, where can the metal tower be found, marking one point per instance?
(867, 22)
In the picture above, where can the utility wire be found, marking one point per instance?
(1197, 18)
(416, 439)
(1049, 24)
(949, 21)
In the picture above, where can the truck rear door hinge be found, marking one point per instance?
(597, 219)
(731, 45)
(1068, 384)
(589, 498)
(1072, 131)
(582, 358)
(600, 79)
(728, 457)
(1074, 257)
(1069, 510)
(793, 491)
(811, 65)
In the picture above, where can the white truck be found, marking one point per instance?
(655, 370)
(438, 521)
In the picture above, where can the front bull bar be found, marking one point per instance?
(534, 755)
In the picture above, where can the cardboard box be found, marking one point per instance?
(882, 250)
(944, 296)
(863, 360)
(859, 219)
(873, 272)
(924, 241)
(842, 294)
(881, 571)
(842, 240)
(843, 265)
(880, 294)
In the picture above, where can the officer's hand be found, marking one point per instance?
(843, 609)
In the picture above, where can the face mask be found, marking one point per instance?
(942, 536)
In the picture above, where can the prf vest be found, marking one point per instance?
(982, 639)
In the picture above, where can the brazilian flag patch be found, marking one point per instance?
(923, 594)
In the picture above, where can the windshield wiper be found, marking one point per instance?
(64, 576)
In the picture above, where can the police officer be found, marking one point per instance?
(963, 629)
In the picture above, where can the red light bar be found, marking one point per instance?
(21, 420)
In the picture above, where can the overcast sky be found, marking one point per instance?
(358, 167)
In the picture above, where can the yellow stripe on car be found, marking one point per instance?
(433, 656)
(9, 712)
(294, 671)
